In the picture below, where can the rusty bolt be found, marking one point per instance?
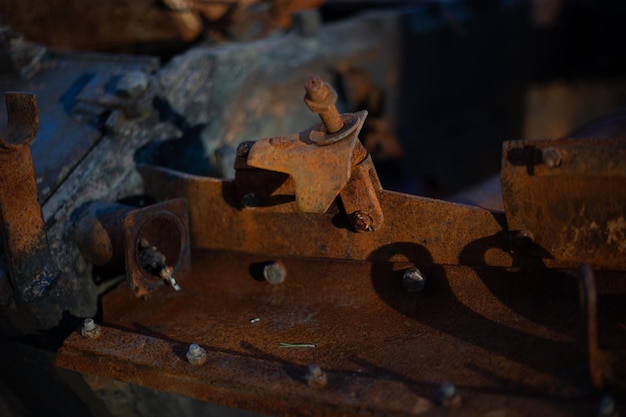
(321, 98)
(90, 329)
(196, 355)
(315, 377)
(274, 273)
(413, 280)
(521, 239)
(132, 85)
(250, 200)
(244, 148)
(448, 396)
(551, 157)
(361, 221)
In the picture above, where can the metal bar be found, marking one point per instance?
(23, 234)
(416, 229)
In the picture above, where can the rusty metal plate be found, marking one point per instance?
(510, 341)
(570, 195)
(416, 229)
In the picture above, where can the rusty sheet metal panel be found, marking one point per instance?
(385, 351)
(568, 196)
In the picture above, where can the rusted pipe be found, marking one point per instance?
(150, 243)
(25, 242)
(321, 98)
(99, 233)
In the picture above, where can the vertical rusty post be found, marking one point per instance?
(23, 234)
(321, 98)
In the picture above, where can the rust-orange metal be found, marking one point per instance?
(497, 323)
(570, 196)
(23, 233)
(416, 229)
(164, 226)
(321, 98)
(508, 339)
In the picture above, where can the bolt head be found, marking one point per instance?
(89, 324)
(196, 355)
(551, 157)
(244, 148)
(250, 200)
(361, 221)
(274, 273)
(316, 377)
(521, 239)
(413, 280)
(90, 329)
(132, 85)
(448, 396)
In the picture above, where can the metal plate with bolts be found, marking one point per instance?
(385, 350)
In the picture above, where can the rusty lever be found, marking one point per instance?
(25, 241)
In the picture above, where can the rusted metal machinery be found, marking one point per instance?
(149, 240)
(349, 260)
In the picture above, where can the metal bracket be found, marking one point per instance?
(326, 161)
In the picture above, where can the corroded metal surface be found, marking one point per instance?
(320, 98)
(65, 134)
(23, 233)
(570, 196)
(320, 172)
(112, 235)
(508, 340)
(164, 226)
(416, 229)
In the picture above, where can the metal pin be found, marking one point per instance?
(166, 274)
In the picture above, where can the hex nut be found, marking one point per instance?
(274, 273)
(90, 329)
(196, 355)
(551, 157)
(413, 280)
(316, 377)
